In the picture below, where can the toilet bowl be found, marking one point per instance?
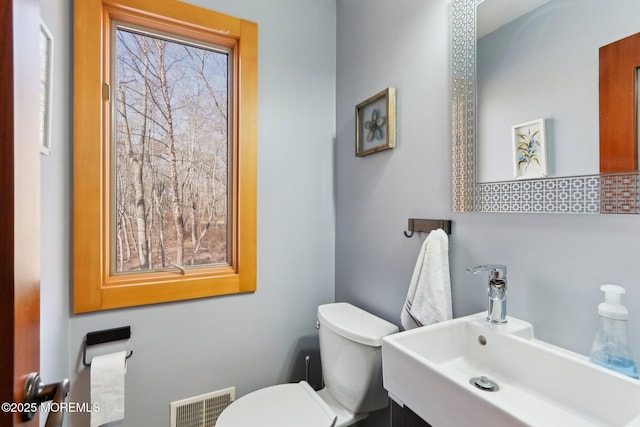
(351, 358)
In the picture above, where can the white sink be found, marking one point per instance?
(429, 370)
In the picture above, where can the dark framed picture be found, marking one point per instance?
(376, 123)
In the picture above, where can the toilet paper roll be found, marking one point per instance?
(107, 388)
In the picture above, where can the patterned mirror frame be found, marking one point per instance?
(585, 194)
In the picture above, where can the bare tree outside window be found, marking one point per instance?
(170, 153)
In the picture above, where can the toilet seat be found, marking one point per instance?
(283, 405)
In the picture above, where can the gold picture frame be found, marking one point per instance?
(376, 123)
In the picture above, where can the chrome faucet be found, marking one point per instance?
(497, 291)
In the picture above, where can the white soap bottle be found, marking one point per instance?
(610, 347)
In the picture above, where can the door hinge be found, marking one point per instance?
(106, 92)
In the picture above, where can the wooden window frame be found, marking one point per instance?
(95, 287)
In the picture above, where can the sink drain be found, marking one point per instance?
(484, 383)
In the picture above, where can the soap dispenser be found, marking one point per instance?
(610, 345)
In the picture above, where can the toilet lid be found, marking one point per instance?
(283, 405)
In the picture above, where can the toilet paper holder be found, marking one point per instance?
(104, 336)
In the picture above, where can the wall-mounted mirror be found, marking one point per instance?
(529, 78)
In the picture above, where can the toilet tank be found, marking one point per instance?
(351, 356)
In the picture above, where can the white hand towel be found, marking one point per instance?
(429, 296)
(107, 387)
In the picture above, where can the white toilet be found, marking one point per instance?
(350, 351)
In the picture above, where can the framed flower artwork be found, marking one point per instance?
(529, 150)
(376, 123)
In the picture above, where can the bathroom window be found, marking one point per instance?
(170, 151)
(164, 153)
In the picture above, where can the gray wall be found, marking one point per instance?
(556, 263)
(403, 45)
(55, 206)
(248, 341)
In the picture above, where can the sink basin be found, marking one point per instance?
(430, 370)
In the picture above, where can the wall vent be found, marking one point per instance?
(201, 411)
